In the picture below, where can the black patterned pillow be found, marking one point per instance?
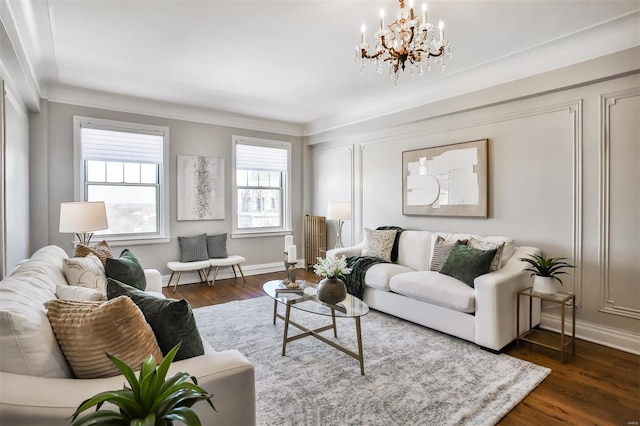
(217, 246)
(193, 249)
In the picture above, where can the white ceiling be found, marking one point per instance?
(293, 61)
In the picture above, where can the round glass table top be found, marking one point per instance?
(306, 300)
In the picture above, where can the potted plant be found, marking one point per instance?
(545, 272)
(331, 289)
(149, 400)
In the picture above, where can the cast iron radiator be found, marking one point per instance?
(315, 237)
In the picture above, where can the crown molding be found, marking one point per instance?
(134, 105)
(616, 35)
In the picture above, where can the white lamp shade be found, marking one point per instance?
(339, 211)
(82, 217)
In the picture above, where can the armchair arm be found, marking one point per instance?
(496, 296)
(154, 280)
(228, 375)
(346, 251)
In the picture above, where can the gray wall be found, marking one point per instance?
(52, 131)
(563, 176)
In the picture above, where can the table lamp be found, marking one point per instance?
(82, 218)
(339, 212)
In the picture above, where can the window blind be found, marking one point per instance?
(256, 157)
(109, 145)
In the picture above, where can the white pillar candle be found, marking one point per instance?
(288, 241)
(292, 256)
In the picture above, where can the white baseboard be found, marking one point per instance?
(226, 272)
(611, 337)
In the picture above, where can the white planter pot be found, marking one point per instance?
(546, 285)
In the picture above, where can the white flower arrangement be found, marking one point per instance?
(331, 267)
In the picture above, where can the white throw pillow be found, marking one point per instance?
(73, 292)
(378, 243)
(85, 272)
(481, 244)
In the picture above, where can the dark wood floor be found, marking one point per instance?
(599, 386)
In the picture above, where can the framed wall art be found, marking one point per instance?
(200, 184)
(448, 180)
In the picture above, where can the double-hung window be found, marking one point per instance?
(262, 186)
(124, 165)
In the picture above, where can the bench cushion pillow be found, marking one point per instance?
(217, 246)
(171, 320)
(193, 249)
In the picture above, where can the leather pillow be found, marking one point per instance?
(87, 331)
(171, 320)
(127, 269)
(466, 263)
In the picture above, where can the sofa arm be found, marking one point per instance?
(346, 251)
(228, 375)
(496, 296)
(154, 280)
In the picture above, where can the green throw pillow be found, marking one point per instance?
(466, 263)
(171, 320)
(126, 269)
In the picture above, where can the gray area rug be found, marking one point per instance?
(413, 375)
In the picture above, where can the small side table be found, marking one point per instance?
(542, 337)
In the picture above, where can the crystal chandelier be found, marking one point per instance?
(407, 39)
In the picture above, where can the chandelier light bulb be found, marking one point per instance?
(407, 41)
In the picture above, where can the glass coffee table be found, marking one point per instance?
(351, 307)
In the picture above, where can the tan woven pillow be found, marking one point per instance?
(87, 331)
(102, 250)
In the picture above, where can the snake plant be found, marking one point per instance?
(149, 400)
(546, 267)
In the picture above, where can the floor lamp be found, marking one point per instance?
(82, 218)
(339, 212)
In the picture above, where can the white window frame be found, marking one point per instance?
(79, 174)
(285, 229)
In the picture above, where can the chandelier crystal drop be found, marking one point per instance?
(408, 38)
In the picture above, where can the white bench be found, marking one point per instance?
(203, 267)
(233, 261)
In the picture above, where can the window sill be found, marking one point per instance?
(141, 241)
(260, 234)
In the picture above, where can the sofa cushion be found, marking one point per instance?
(378, 243)
(217, 246)
(28, 344)
(379, 275)
(466, 263)
(72, 292)
(171, 320)
(435, 288)
(127, 269)
(101, 250)
(87, 331)
(414, 249)
(85, 272)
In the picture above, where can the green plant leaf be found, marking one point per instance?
(120, 398)
(127, 372)
(101, 418)
(185, 415)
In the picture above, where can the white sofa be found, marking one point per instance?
(36, 383)
(485, 315)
